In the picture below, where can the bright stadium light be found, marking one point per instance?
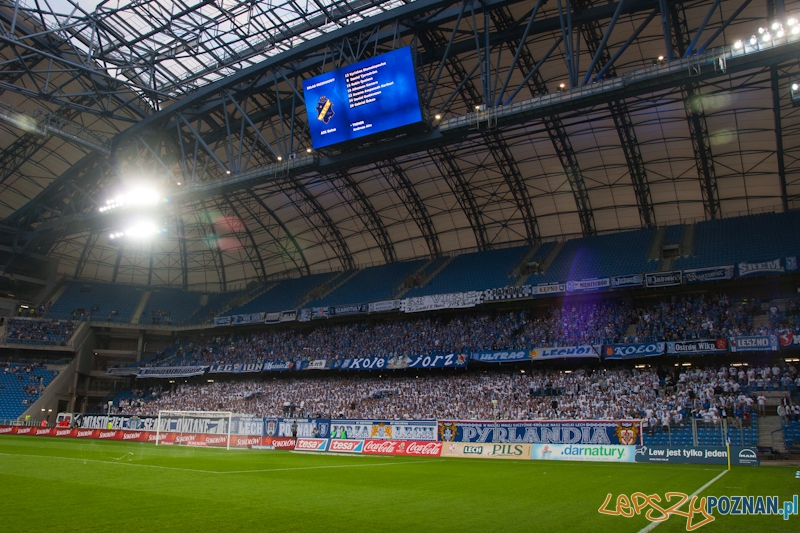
(766, 37)
(137, 197)
(140, 230)
(776, 25)
(738, 45)
(753, 40)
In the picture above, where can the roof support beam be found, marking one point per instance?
(555, 129)
(289, 253)
(696, 119)
(394, 174)
(352, 193)
(595, 43)
(255, 248)
(319, 219)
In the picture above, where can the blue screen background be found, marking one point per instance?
(397, 105)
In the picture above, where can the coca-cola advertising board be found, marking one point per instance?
(346, 446)
(402, 447)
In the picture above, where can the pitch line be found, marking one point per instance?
(653, 525)
(116, 463)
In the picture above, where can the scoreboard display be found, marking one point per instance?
(368, 97)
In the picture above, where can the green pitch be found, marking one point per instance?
(49, 484)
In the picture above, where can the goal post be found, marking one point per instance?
(182, 423)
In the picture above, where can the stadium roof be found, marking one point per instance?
(205, 99)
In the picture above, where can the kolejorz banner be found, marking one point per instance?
(403, 361)
(633, 351)
(616, 432)
(456, 300)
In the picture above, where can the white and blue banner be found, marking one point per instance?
(222, 321)
(171, 371)
(316, 364)
(791, 263)
(761, 343)
(306, 427)
(272, 318)
(277, 366)
(251, 318)
(501, 356)
(384, 306)
(663, 279)
(319, 312)
(633, 351)
(565, 352)
(701, 275)
(305, 315)
(289, 316)
(341, 310)
(280, 316)
(456, 300)
(697, 347)
(593, 284)
(386, 429)
(546, 289)
(608, 432)
(236, 368)
(507, 293)
(403, 361)
(764, 267)
(129, 371)
(633, 280)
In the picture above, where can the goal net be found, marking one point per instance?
(195, 428)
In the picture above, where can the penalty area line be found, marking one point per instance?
(653, 525)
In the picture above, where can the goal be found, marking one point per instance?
(195, 428)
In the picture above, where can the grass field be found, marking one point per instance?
(49, 484)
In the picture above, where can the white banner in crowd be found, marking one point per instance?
(386, 305)
(588, 285)
(456, 300)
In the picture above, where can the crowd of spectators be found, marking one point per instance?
(700, 317)
(589, 323)
(666, 398)
(41, 332)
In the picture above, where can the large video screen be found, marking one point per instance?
(368, 97)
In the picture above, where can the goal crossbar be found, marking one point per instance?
(166, 416)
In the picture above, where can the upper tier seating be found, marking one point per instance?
(602, 256)
(170, 306)
(488, 269)
(372, 284)
(21, 383)
(111, 302)
(287, 294)
(752, 238)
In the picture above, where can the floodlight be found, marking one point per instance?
(753, 40)
(437, 116)
(661, 58)
(795, 30)
(280, 158)
(792, 21)
(766, 37)
(779, 34)
(737, 45)
(795, 86)
(761, 30)
(142, 196)
(776, 25)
